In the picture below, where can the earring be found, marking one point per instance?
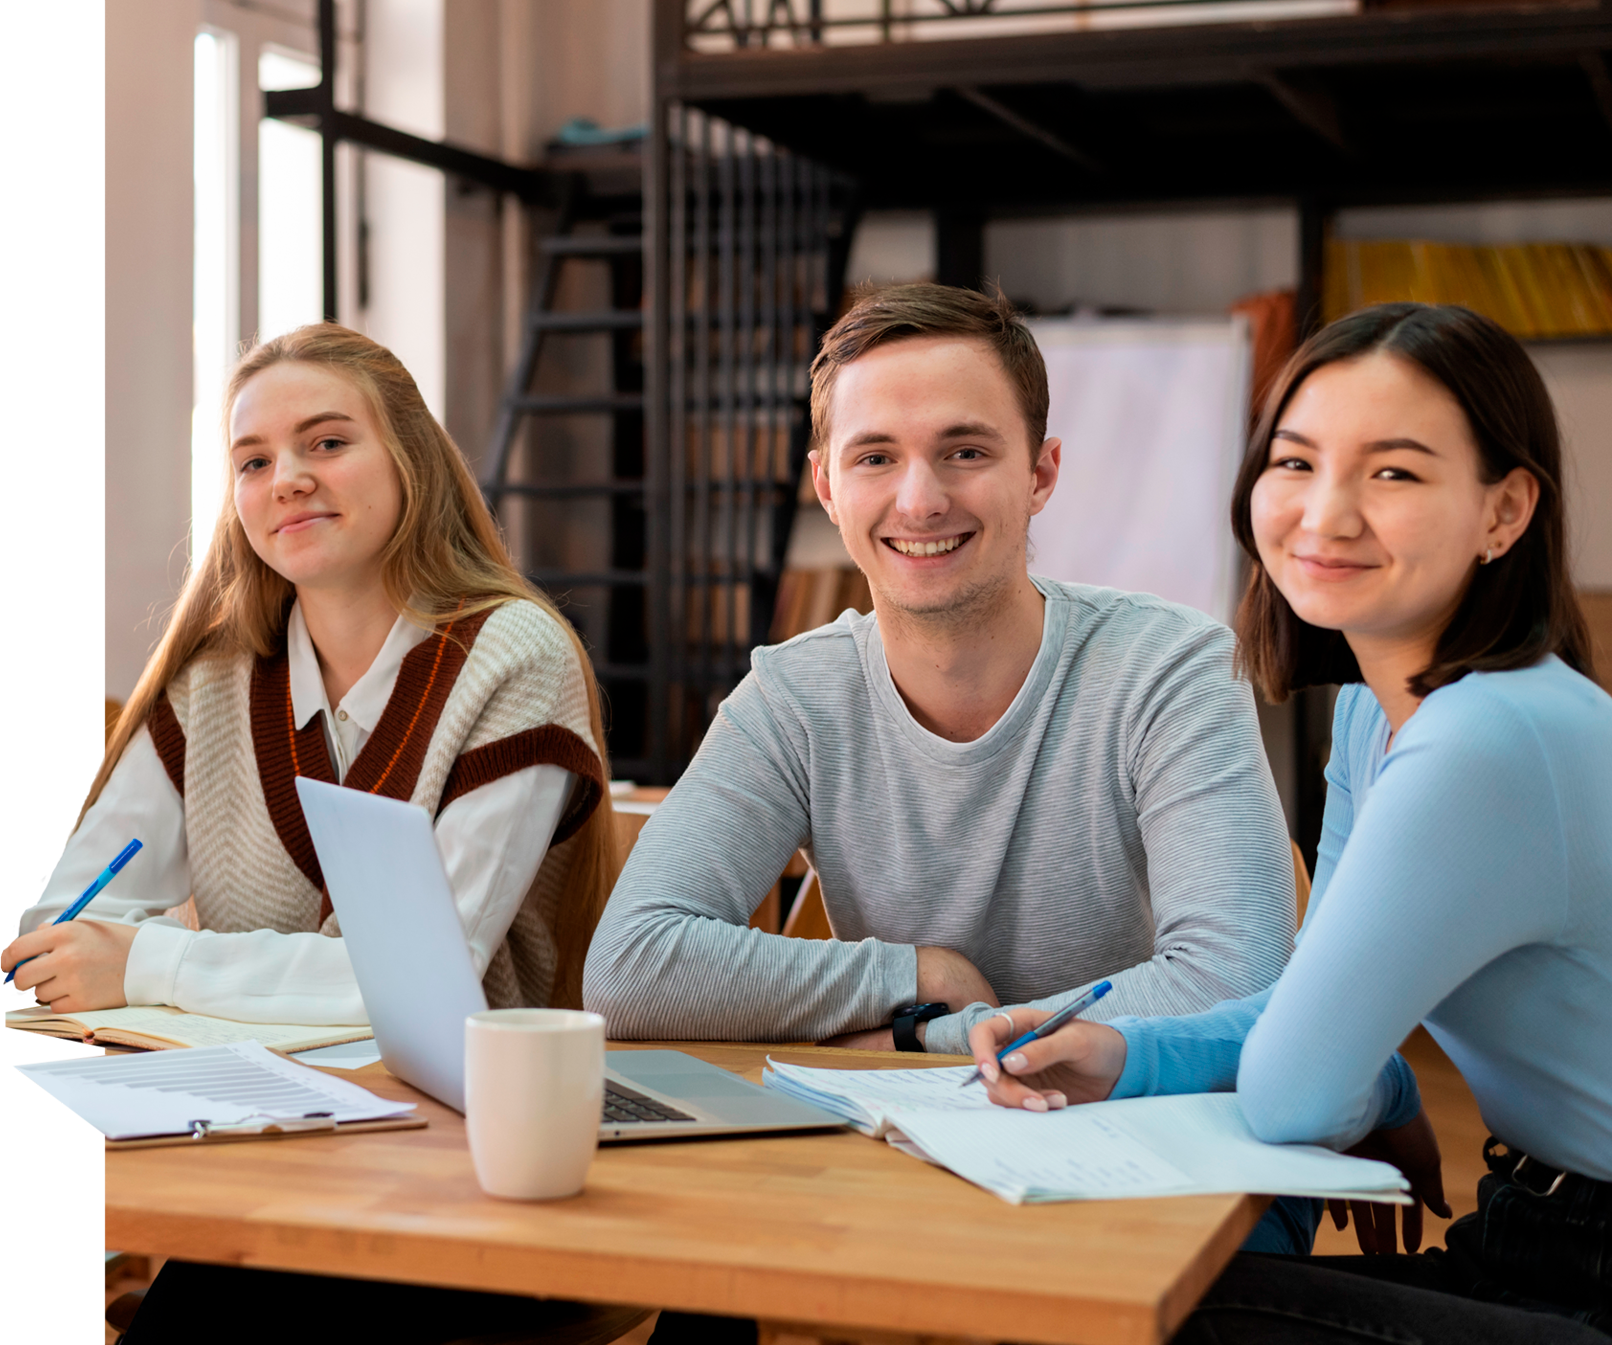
(1488, 555)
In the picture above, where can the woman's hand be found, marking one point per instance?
(76, 967)
(1413, 1149)
(1080, 1062)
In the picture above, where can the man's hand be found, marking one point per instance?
(1080, 1062)
(947, 977)
(944, 977)
(76, 967)
(1413, 1149)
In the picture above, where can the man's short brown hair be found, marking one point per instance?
(904, 311)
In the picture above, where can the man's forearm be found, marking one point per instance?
(681, 976)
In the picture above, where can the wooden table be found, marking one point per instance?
(836, 1233)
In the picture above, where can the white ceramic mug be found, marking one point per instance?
(534, 1094)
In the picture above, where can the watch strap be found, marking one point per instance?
(905, 1031)
(904, 1026)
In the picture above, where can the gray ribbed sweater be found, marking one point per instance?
(1119, 820)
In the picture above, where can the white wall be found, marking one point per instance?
(1580, 381)
(591, 59)
(97, 323)
(892, 246)
(1579, 220)
(403, 88)
(1177, 262)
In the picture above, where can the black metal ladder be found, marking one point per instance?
(619, 640)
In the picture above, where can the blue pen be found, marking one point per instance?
(107, 874)
(1050, 1026)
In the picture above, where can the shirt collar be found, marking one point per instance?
(366, 699)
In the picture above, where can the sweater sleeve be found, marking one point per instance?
(1200, 1053)
(1219, 865)
(1456, 857)
(674, 957)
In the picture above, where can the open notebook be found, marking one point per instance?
(1193, 1144)
(153, 1027)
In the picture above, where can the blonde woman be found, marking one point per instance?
(356, 619)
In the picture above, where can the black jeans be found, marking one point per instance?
(1343, 1300)
(1533, 1264)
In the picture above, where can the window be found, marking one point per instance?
(290, 262)
(216, 290)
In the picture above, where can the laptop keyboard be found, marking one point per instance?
(622, 1106)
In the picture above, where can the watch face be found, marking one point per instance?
(922, 1013)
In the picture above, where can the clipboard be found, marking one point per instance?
(274, 1130)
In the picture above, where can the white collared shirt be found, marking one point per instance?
(492, 841)
(348, 727)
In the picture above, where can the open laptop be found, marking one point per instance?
(408, 951)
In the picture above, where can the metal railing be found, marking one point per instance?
(735, 25)
(747, 243)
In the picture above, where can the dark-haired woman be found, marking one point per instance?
(1402, 506)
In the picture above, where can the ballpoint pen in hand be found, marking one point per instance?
(1050, 1026)
(107, 874)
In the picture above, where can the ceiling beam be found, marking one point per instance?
(1025, 127)
(1311, 104)
(1148, 58)
(1595, 71)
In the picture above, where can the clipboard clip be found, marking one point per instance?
(260, 1123)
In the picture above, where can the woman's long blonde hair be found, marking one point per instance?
(445, 557)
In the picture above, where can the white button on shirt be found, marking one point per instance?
(492, 841)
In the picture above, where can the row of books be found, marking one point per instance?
(811, 598)
(1533, 290)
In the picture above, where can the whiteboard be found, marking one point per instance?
(1153, 417)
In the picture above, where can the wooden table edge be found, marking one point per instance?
(775, 1294)
(687, 1285)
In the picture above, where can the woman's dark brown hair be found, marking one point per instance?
(1517, 609)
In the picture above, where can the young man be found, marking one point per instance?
(1010, 788)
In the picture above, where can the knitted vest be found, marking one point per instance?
(488, 695)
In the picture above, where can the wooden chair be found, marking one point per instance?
(1301, 883)
(634, 810)
(808, 917)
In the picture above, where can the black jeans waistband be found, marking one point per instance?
(1541, 1179)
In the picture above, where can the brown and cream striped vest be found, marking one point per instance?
(488, 695)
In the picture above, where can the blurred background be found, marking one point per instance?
(606, 235)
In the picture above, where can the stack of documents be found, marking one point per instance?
(206, 1092)
(1193, 1144)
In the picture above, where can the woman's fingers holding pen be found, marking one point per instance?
(1082, 1060)
(74, 967)
(1079, 1063)
(988, 1036)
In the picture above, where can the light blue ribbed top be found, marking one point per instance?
(1464, 881)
